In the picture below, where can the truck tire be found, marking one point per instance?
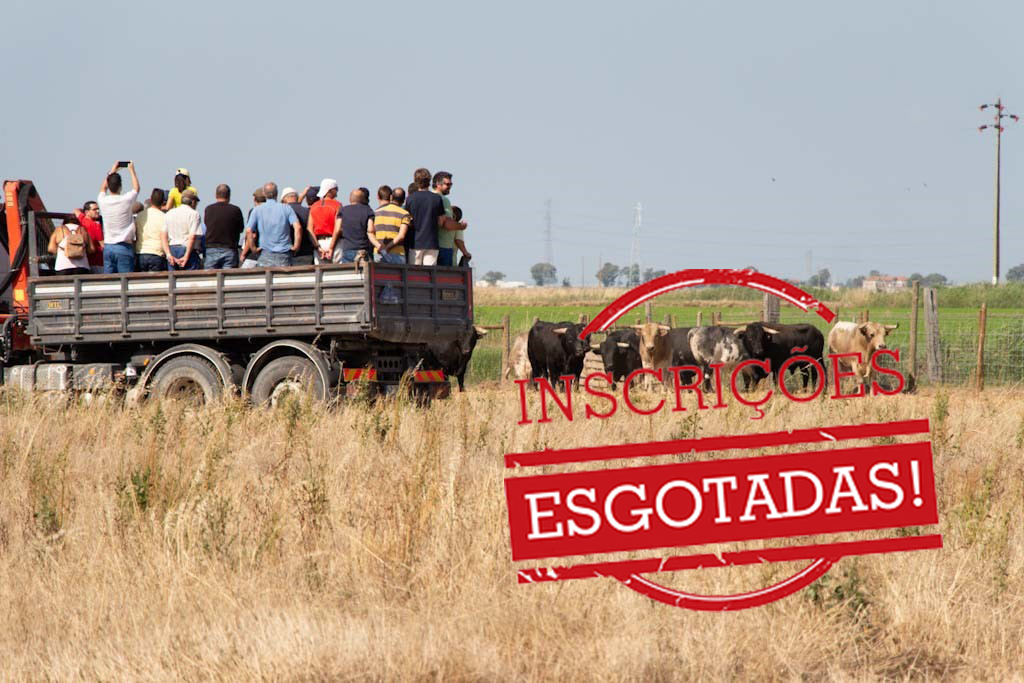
(286, 375)
(187, 377)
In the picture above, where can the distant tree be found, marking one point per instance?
(652, 274)
(822, 278)
(544, 274)
(855, 282)
(492, 277)
(565, 282)
(935, 280)
(630, 275)
(1015, 274)
(915, 276)
(608, 274)
(874, 273)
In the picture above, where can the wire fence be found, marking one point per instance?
(958, 337)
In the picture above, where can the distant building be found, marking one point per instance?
(884, 283)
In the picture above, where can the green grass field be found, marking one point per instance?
(958, 326)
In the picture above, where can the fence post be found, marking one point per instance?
(914, 302)
(980, 376)
(700, 318)
(675, 321)
(639, 320)
(770, 308)
(668, 320)
(648, 312)
(931, 325)
(536, 319)
(506, 345)
(582, 320)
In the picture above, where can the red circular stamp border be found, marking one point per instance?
(692, 278)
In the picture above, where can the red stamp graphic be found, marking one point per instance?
(658, 506)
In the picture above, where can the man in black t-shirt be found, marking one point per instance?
(224, 225)
(355, 228)
(304, 256)
(428, 216)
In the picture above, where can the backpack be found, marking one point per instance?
(77, 243)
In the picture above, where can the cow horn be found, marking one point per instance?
(770, 330)
(892, 327)
(560, 330)
(622, 345)
(740, 330)
(637, 327)
(664, 327)
(480, 330)
(595, 347)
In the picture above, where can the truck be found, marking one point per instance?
(322, 330)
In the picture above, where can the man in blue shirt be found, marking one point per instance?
(279, 230)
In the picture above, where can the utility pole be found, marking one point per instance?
(549, 253)
(638, 219)
(998, 125)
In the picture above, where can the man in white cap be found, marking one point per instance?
(322, 215)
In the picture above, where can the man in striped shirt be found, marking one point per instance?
(391, 223)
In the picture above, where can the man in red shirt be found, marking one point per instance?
(89, 218)
(322, 216)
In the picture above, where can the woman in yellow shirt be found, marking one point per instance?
(182, 183)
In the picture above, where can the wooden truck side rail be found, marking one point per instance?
(394, 303)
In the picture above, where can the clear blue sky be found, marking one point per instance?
(751, 132)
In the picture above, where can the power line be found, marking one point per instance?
(998, 125)
(549, 253)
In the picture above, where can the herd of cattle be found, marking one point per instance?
(553, 350)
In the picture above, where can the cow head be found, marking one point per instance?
(650, 336)
(571, 342)
(756, 338)
(875, 333)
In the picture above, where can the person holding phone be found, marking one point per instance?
(118, 220)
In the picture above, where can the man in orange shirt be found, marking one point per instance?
(322, 214)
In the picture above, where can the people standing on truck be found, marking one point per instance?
(72, 245)
(249, 243)
(355, 228)
(118, 221)
(460, 243)
(149, 224)
(277, 228)
(428, 216)
(182, 182)
(181, 232)
(89, 218)
(323, 214)
(391, 225)
(304, 255)
(442, 185)
(224, 228)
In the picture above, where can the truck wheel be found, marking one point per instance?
(286, 375)
(188, 378)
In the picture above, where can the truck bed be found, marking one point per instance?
(393, 303)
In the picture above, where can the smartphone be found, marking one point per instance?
(122, 164)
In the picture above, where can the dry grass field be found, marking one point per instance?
(370, 542)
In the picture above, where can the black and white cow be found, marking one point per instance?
(718, 344)
(776, 342)
(555, 349)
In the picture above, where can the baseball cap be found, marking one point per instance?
(189, 195)
(311, 195)
(326, 185)
(289, 190)
(184, 171)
